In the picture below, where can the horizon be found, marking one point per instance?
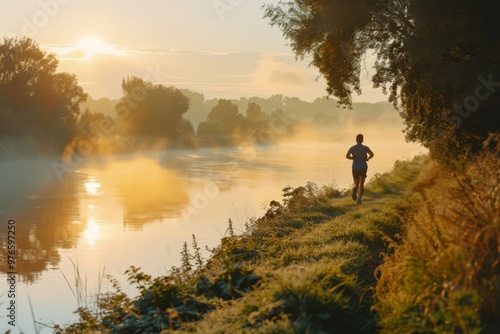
(215, 48)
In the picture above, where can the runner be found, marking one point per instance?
(359, 154)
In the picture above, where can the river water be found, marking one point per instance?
(103, 216)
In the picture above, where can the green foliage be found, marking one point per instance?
(226, 126)
(396, 181)
(34, 99)
(333, 32)
(255, 117)
(227, 113)
(197, 254)
(323, 304)
(437, 62)
(94, 134)
(212, 133)
(150, 110)
(171, 301)
(443, 275)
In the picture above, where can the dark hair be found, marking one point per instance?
(359, 138)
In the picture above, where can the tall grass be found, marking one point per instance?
(443, 276)
(89, 300)
(84, 296)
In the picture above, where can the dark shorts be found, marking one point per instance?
(357, 173)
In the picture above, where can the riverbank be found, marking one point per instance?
(316, 262)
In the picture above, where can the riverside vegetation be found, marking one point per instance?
(420, 255)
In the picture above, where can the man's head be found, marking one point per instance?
(359, 138)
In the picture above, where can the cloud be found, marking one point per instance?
(73, 54)
(216, 74)
(286, 76)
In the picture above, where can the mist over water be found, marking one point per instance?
(138, 209)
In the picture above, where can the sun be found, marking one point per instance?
(92, 46)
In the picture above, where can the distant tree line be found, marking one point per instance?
(153, 116)
(37, 101)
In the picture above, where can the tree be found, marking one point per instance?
(34, 98)
(212, 133)
(186, 133)
(95, 133)
(437, 60)
(255, 118)
(227, 113)
(149, 110)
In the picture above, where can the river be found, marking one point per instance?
(102, 216)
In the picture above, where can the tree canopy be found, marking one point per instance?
(436, 59)
(227, 113)
(151, 110)
(34, 98)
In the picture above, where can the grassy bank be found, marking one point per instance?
(318, 263)
(443, 276)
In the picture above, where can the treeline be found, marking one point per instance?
(150, 116)
(57, 117)
(41, 113)
(44, 106)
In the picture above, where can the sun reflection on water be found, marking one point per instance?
(92, 186)
(92, 232)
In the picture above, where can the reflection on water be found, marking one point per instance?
(140, 210)
(91, 233)
(92, 186)
(145, 190)
(45, 213)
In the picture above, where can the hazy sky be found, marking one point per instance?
(221, 48)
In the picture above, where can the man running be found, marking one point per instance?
(359, 154)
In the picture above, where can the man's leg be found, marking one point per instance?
(361, 186)
(355, 180)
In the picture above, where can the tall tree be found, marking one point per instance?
(255, 117)
(437, 60)
(227, 113)
(151, 110)
(34, 98)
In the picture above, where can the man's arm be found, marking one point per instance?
(349, 155)
(370, 154)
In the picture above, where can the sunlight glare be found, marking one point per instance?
(92, 186)
(92, 46)
(92, 233)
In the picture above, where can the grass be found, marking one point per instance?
(86, 299)
(419, 255)
(444, 273)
